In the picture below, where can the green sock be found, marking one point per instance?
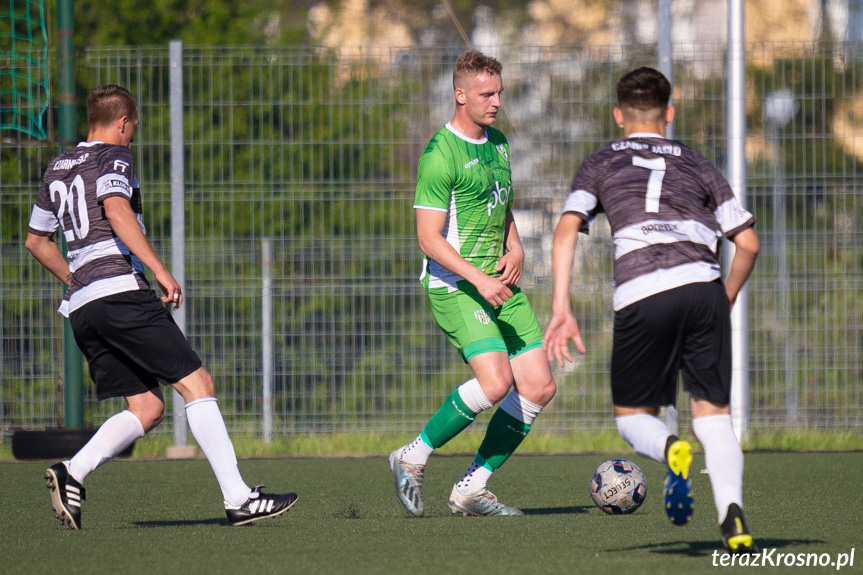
(448, 421)
(503, 436)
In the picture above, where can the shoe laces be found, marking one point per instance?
(413, 470)
(417, 471)
(490, 497)
(256, 492)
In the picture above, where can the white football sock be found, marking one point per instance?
(472, 395)
(646, 434)
(208, 427)
(115, 435)
(724, 460)
(474, 480)
(417, 451)
(476, 477)
(520, 408)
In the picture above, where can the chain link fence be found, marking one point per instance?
(315, 151)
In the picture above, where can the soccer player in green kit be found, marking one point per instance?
(473, 262)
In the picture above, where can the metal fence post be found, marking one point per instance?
(666, 58)
(178, 223)
(73, 363)
(666, 61)
(267, 337)
(736, 150)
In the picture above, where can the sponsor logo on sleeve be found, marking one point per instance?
(110, 185)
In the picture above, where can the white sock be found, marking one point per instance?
(417, 451)
(724, 460)
(646, 434)
(474, 480)
(520, 408)
(208, 427)
(472, 395)
(115, 435)
(476, 477)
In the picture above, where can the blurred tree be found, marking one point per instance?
(196, 22)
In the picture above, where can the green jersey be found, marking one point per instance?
(470, 180)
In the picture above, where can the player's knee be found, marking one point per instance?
(157, 419)
(198, 385)
(152, 416)
(540, 392)
(207, 386)
(495, 395)
(496, 383)
(499, 390)
(547, 391)
(551, 389)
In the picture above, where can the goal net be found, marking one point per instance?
(24, 93)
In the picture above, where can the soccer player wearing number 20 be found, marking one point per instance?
(90, 192)
(668, 208)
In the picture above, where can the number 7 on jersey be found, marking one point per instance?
(654, 182)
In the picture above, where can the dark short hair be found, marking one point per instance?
(644, 89)
(108, 103)
(472, 63)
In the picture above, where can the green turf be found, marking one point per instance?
(166, 516)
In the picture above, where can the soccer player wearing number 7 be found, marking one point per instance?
(90, 192)
(668, 208)
(473, 262)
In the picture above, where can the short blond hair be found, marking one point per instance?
(473, 63)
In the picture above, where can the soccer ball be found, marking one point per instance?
(618, 486)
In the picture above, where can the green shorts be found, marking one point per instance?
(474, 326)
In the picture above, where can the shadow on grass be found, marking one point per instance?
(706, 548)
(575, 510)
(183, 523)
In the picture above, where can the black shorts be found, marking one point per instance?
(685, 329)
(131, 344)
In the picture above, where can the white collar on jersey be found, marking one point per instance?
(465, 138)
(645, 135)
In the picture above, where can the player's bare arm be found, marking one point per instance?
(562, 326)
(46, 252)
(746, 248)
(511, 265)
(430, 225)
(119, 212)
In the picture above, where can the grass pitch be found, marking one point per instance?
(166, 516)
